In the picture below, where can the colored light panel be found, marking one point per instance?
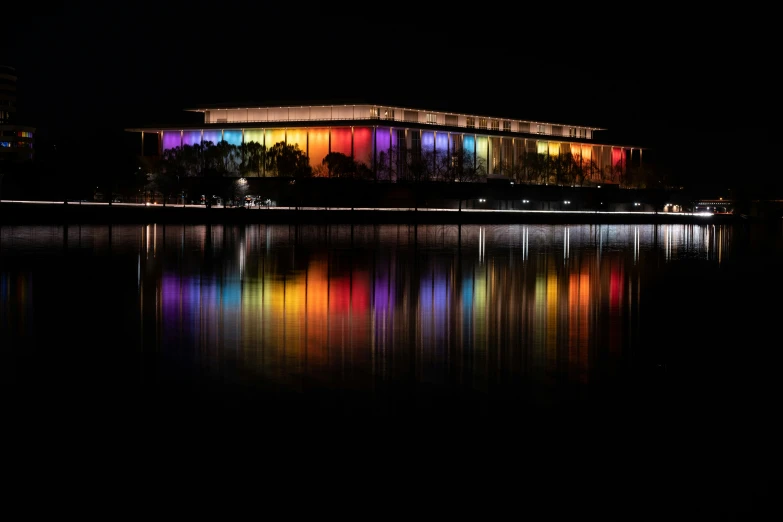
(542, 147)
(427, 141)
(587, 152)
(554, 149)
(469, 144)
(274, 136)
(297, 137)
(482, 150)
(582, 152)
(382, 142)
(171, 139)
(191, 137)
(256, 135)
(341, 140)
(319, 146)
(362, 145)
(618, 158)
(442, 142)
(212, 135)
(234, 137)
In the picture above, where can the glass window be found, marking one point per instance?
(495, 125)
(470, 122)
(482, 123)
(432, 118)
(507, 126)
(375, 112)
(541, 129)
(388, 114)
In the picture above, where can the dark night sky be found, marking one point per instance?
(656, 80)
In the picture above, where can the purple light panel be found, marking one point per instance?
(171, 139)
(382, 141)
(191, 137)
(442, 142)
(213, 135)
(427, 141)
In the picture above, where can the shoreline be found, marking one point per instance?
(34, 213)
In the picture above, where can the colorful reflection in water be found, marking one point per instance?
(439, 304)
(476, 307)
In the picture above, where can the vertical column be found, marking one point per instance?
(181, 133)
(546, 172)
(222, 138)
(625, 164)
(354, 108)
(307, 143)
(500, 144)
(142, 143)
(375, 151)
(391, 146)
(513, 153)
(475, 151)
(160, 143)
(404, 166)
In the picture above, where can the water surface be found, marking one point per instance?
(378, 319)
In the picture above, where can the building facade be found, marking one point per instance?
(377, 134)
(17, 142)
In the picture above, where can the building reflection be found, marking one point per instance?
(16, 305)
(480, 306)
(365, 307)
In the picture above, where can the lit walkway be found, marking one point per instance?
(405, 209)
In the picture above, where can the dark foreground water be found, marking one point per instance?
(640, 344)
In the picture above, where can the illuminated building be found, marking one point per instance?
(16, 141)
(372, 134)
